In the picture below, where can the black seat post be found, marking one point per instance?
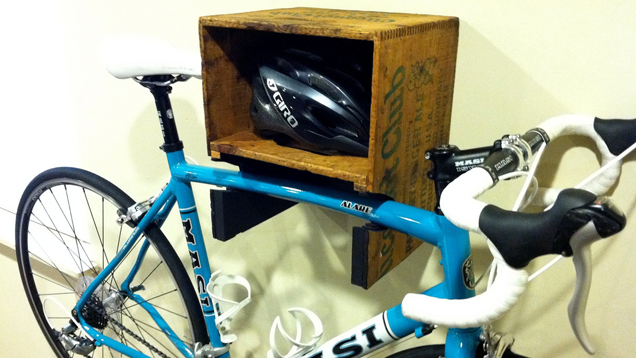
(161, 91)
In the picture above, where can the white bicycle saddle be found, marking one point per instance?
(136, 56)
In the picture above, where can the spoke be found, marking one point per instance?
(111, 281)
(51, 263)
(155, 306)
(127, 314)
(56, 294)
(130, 344)
(51, 230)
(70, 286)
(104, 233)
(121, 228)
(138, 321)
(121, 336)
(142, 335)
(99, 237)
(151, 272)
(72, 224)
(157, 329)
(122, 261)
(161, 344)
(56, 229)
(78, 242)
(90, 209)
(140, 329)
(74, 236)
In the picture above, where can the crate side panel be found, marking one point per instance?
(413, 99)
(413, 107)
(227, 72)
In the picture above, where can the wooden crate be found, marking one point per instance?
(411, 61)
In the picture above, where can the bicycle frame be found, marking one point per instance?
(369, 336)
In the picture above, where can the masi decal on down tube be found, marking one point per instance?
(358, 341)
(204, 297)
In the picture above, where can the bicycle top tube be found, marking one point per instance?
(378, 209)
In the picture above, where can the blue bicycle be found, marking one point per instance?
(103, 280)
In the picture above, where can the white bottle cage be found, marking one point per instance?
(225, 309)
(298, 348)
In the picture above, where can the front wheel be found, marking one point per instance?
(432, 351)
(66, 234)
(437, 351)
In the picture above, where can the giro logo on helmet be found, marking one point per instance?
(280, 103)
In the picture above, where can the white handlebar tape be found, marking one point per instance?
(458, 199)
(460, 207)
(472, 312)
(584, 125)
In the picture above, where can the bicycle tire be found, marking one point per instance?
(437, 351)
(48, 219)
(430, 351)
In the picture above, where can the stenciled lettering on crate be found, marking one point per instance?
(417, 93)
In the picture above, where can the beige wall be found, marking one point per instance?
(519, 62)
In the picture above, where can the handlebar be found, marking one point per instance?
(516, 238)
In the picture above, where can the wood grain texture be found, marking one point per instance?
(361, 25)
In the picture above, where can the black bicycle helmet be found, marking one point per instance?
(321, 108)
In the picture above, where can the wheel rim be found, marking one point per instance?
(68, 235)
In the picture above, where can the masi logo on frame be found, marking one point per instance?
(280, 103)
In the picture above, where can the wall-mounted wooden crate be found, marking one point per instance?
(411, 61)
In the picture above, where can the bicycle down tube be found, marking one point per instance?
(385, 328)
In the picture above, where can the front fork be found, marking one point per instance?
(462, 343)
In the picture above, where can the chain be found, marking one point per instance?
(101, 311)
